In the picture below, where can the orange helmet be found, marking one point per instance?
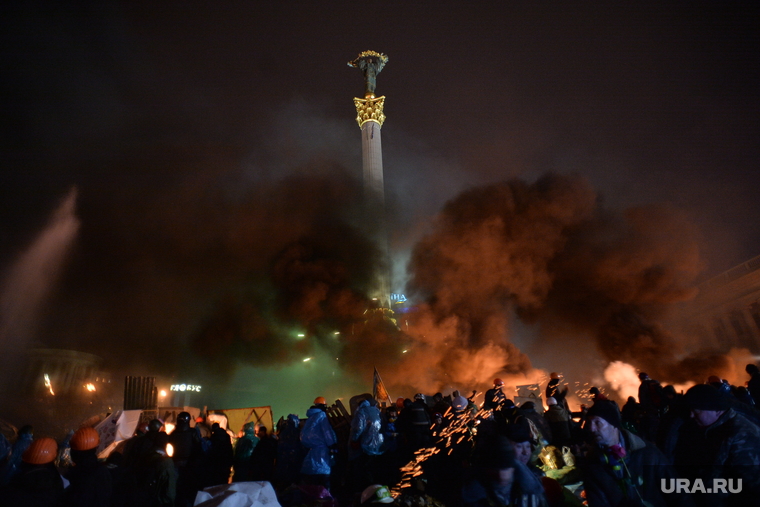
(399, 403)
(320, 400)
(85, 439)
(554, 375)
(41, 451)
(498, 382)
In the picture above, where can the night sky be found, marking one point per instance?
(212, 165)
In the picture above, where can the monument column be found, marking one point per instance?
(370, 117)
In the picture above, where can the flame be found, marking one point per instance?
(90, 387)
(48, 384)
(168, 427)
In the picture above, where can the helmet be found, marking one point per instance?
(320, 400)
(199, 420)
(498, 382)
(419, 396)
(41, 451)
(399, 403)
(183, 417)
(155, 425)
(376, 494)
(554, 375)
(143, 428)
(714, 379)
(85, 439)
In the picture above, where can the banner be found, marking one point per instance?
(117, 427)
(379, 392)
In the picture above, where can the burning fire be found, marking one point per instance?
(48, 384)
(90, 387)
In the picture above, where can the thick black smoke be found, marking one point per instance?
(585, 279)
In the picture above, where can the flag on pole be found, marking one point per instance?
(379, 392)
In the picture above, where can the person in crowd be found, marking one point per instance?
(23, 441)
(553, 389)
(623, 469)
(91, 483)
(366, 443)
(495, 397)
(290, 452)
(418, 422)
(37, 482)
(440, 404)
(729, 447)
(559, 422)
(596, 394)
(155, 480)
(519, 435)
(264, 455)
(753, 385)
(528, 410)
(219, 458)
(244, 448)
(319, 438)
(500, 479)
(188, 453)
(651, 402)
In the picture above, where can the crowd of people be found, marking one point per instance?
(662, 448)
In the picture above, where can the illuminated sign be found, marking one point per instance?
(186, 387)
(398, 298)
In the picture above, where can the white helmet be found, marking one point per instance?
(376, 494)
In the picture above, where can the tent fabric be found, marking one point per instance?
(238, 494)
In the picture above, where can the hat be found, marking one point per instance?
(705, 397)
(419, 396)
(551, 401)
(497, 453)
(607, 410)
(519, 430)
(528, 405)
(376, 494)
(459, 403)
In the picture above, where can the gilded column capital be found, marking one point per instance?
(369, 109)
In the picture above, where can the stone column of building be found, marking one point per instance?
(370, 117)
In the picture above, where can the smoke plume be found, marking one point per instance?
(583, 279)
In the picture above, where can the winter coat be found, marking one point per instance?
(645, 467)
(494, 399)
(318, 436)
(526, 490)
(33, 486)
(559, 423)
(13, 464)
(290, 452)
(91, 482)
(366, 429)
(731, 450)
(243, 452)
